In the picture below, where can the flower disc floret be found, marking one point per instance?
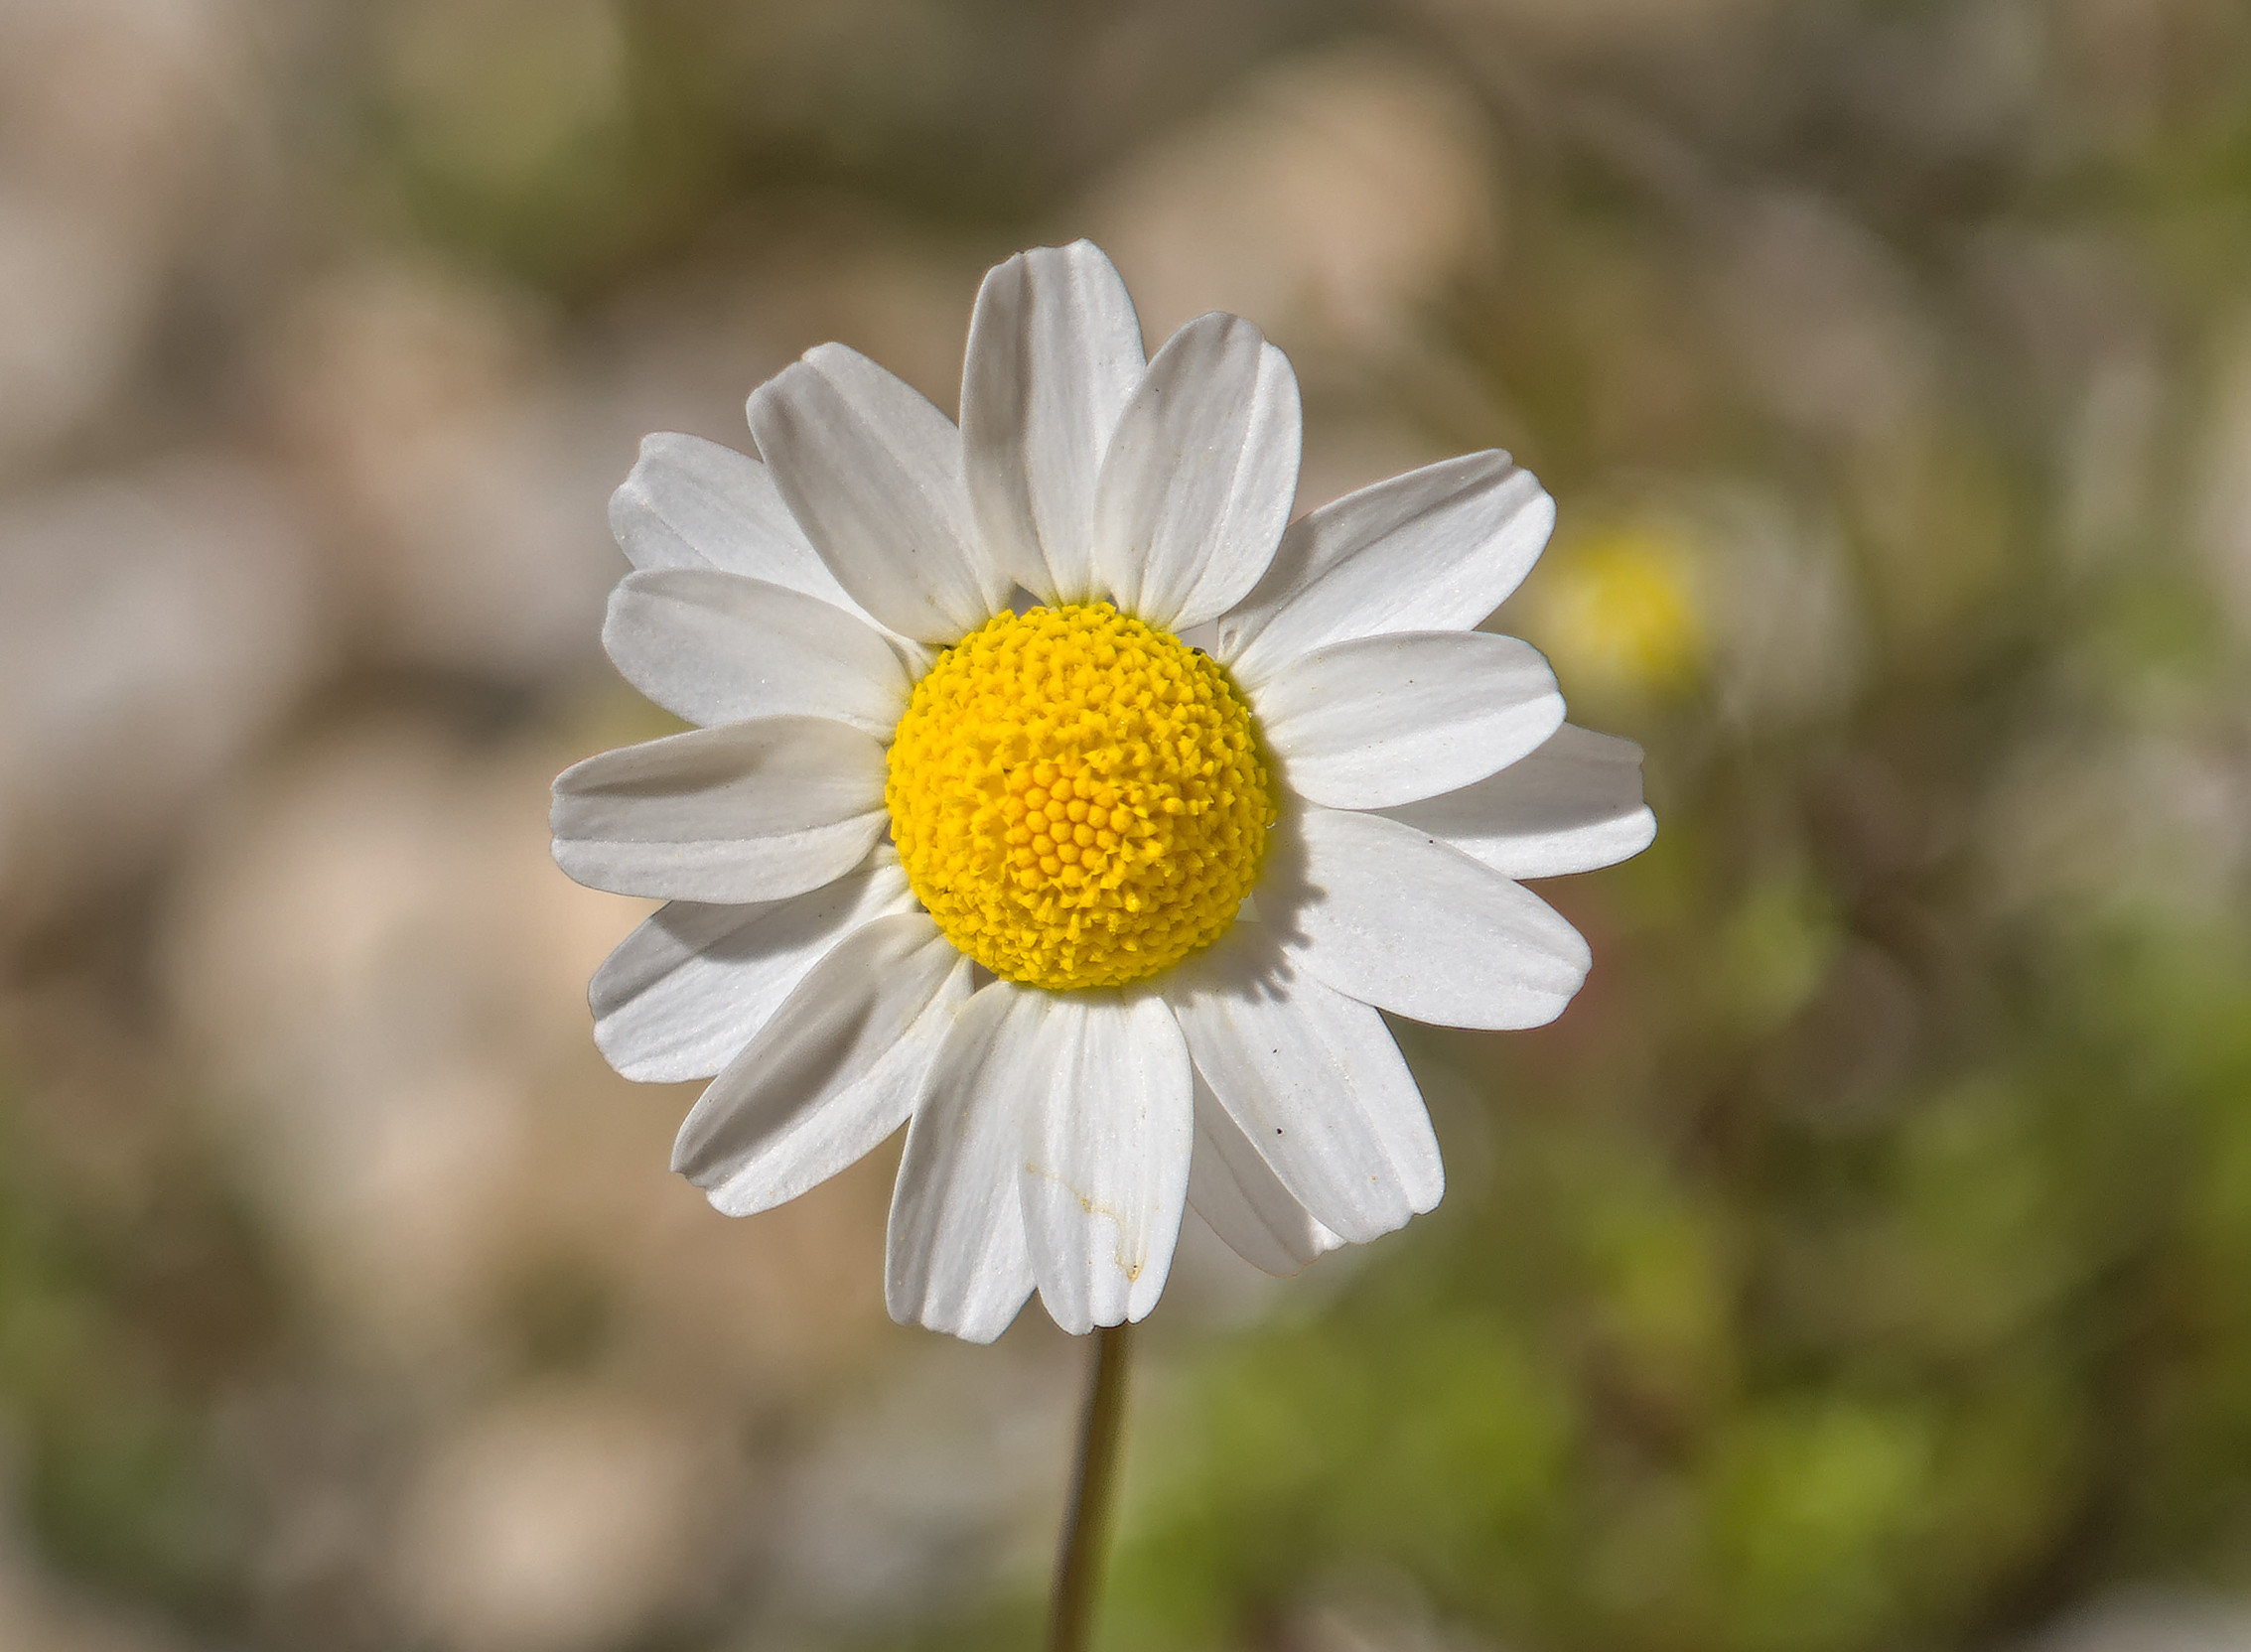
(1079, 797)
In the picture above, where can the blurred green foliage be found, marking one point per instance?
(121, 1329)
(1746, 1377)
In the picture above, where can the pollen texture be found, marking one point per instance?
(1079, 797)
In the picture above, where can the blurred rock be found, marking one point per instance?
(931, 1493)
(378, 964)
(1342, 453)
(1383, 1612)
(2152, 1622)
(384, 978)
(119, 98)
(469, 460)
(154, 626)
(1822, 316)
(563, 1521)
(75, 297)
(472, 480)
(118, 119)
(683, 350)
(1332, 197)
(1589, 27)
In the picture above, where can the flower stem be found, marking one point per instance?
(1086, 1525)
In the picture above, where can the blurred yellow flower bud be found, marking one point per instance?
(1620, 611)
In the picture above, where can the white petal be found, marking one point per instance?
(1571, 807)
(1395, 918)
(715, 647)
(692, 503)
(836, 1070)
(873, 474)
(686, 991)
(751, 811)
(1234, 1190)
(1434, 550)
(1201, 474)
(956, 1257)
(1314, 1080)
(1389, 719)
(1055, 351)
(1106, 1156)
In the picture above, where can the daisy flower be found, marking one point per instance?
(1057, 796)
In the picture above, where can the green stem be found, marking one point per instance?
(1086, 1525)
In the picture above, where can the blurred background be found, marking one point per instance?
(1864, 1263)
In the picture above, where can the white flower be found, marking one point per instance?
(1099, 889)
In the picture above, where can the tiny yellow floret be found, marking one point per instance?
(1079, 797)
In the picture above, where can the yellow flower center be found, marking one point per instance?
(1079, 797)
